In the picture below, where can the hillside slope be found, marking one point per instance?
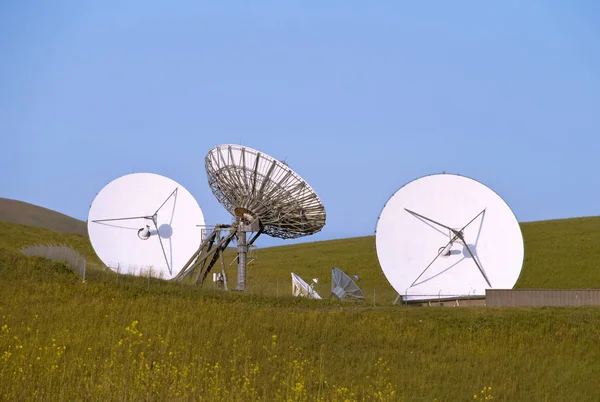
(558, 254)
(115, 340)
(14, 236)
(24, 213)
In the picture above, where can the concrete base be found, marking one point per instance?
(479, 301)
(542, 297)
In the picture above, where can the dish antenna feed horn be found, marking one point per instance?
(144, 233)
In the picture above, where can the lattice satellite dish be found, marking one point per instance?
(446, 236)
(343, 287)
(301, 288)
(144, 224)
(264, 196)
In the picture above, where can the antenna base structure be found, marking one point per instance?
(242, 231)
(212, 248)
(264, 196)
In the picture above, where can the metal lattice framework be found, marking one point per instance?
(264, 195)
(250, 185)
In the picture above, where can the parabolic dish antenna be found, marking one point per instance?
(303, 289)
(252, 185)
(343, 287)
(145, 224)
(448, 236)
(264, 196)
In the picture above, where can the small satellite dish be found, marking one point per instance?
(144, 224)
(343, 287)
(301, 288)
(448, 236)
(264, 196)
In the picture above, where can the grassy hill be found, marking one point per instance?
(558, 254)
(117, 338)
(24, 213)
(129, 339)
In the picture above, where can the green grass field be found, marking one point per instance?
(558, 254)
(117, 338)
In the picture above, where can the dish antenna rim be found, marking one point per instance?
(498, 206)
(144, 219)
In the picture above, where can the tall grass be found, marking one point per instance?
(61, 339)
(14, 236)
(124, 338)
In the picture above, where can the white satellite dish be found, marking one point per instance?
(343, 287)
(301, 288)
(448, 236)
(145, 224)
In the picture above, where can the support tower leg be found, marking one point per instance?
(242, 252)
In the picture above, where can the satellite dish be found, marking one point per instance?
(144, 224)
(448, 236)
(343, 287)
(301, 288)
(264, 196)
(254, 186)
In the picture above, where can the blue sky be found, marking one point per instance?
(358, 97)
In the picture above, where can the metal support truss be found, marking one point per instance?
(212, 248)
